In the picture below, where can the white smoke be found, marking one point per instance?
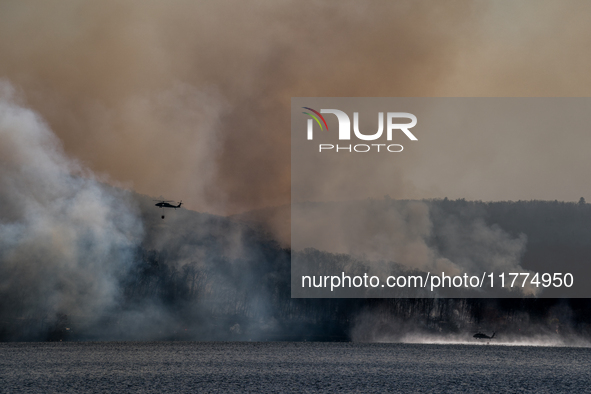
(65, 238)
(405, 232)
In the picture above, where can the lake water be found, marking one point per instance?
(167, 367)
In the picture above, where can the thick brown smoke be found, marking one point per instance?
(190, 100)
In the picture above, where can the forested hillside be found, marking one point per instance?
(204, 277)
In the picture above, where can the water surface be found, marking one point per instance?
(166, 367)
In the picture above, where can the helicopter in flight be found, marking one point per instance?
(167, 204)
(480, 335)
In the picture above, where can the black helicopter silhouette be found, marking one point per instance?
(480, 335)
(167, 204)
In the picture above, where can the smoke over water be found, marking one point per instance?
(190, 100)
(455, 321)
(84, 260)
(65, 238)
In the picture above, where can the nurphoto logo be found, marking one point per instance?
(345, 130)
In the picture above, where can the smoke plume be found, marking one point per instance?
(65, 237)
(422, 235)
(190, 100)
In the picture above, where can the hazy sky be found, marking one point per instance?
(191, 100)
